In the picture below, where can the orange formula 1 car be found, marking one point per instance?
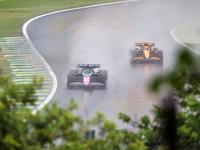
(146, 53)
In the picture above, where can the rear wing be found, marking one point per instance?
(144, 44)
(87, 65)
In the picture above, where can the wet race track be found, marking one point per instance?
(104, 35)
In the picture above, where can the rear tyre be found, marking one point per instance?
(133, 54)
(160, 55)
(132, 61)
(70, 77)
(103, 78)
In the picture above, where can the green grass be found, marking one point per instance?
(14, 13)
(5, 69)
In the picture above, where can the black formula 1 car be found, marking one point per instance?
(87, 75)
(146, 53)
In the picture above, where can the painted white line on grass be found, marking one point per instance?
(53, 76)
(172, 34)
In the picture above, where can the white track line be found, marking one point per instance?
(172, 34)
(53, 76)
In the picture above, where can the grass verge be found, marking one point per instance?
(14, 13)
(5, 69)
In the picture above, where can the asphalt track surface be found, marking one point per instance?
(104, 35)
